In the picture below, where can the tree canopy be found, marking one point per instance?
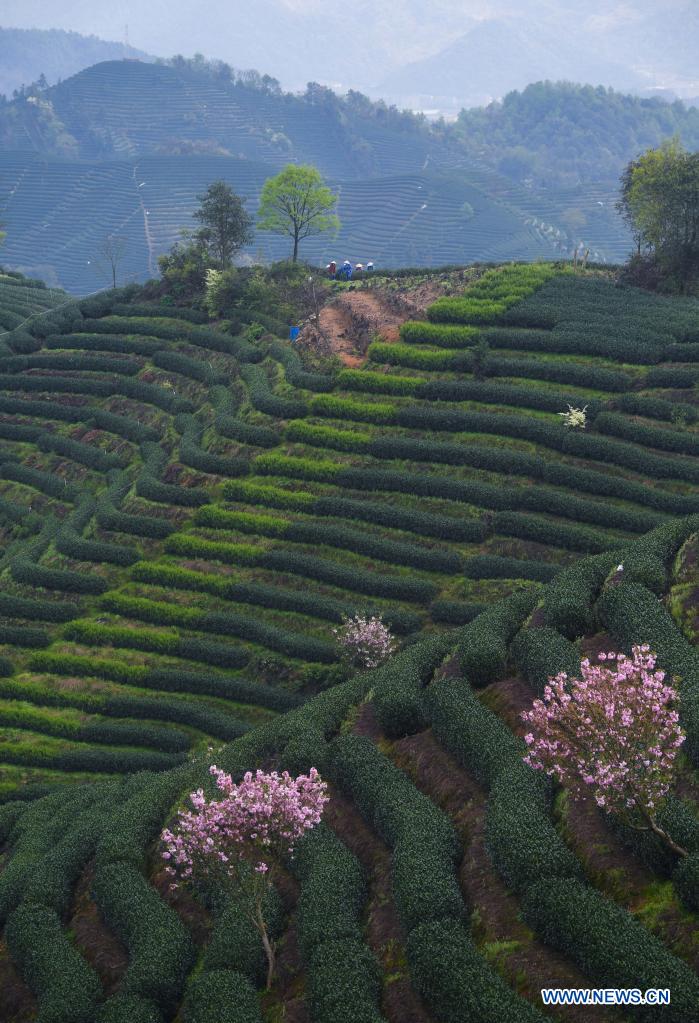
(298, 203)
(660, 202)
(226, 224)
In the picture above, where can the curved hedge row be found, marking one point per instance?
(319, 533)
(273, 597)
(485, 495)
(229, 624)
(357, 580)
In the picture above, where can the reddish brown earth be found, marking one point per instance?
(348, 322)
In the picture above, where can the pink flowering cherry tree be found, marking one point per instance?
(235, 840)
(365, 642)
(613, 733)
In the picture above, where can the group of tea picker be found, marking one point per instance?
(346, 272)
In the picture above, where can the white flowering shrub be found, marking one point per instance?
(365, 642)
(575, 417)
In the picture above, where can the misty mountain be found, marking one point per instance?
(495, 57)
(476, 49)
(26, 54)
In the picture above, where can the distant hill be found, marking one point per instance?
(496, 56)
(124, 147)
(29, 53)
(560, 133)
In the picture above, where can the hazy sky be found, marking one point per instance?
(356, 44)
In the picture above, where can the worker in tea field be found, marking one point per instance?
(370, 267)
(331, 269)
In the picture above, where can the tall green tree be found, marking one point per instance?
(226, 224)
(660, 202)
(298, 203)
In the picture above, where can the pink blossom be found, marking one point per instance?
(613, 733)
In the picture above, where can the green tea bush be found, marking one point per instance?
(229, 624)
(348, 408)
(67, 989)
(25, 571)
(321, 569)
(246, 433)
(221, 996)
(111, 518)
(492, 392)
(482, 649)
(105, 343)
(545, 531)
(609, 944)
(635, 615)
(656, 408)
(421, 836)
(569, 599)
(35, 609)
(264, 400)
(492, 566)
(46, 482)
(328, 437)
(415, 332)
(376, 383)
(540, 654)
(456, 982)
(520, 836)
(479, 740)
(454, 612)
(128, 1009)
(648, 436)
(94, 458)
(294, 371)
(69, 542)
(396, 354)
(186, 366)
(161, 952)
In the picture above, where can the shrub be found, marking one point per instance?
(67, 988)
(348, 408)
(68, 542)
(264, 400)
(479, 740)
(160, 950)
(421, 836)
(491, 566)
(482, 649)
(541, 654)
(609, 944)
(25, 571)
(376, 383)
(634, 615)
(224, 996)
(439, 334)
(456, 982)
(569, 599)
(520, 836)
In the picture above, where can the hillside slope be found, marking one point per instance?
(447, 882)
(186, 516)
(30, 52)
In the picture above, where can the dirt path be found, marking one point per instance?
(349, 323)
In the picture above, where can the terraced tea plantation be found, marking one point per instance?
(187, 516)
(446, 882)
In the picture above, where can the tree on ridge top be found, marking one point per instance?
(226, 224)
(297, 202)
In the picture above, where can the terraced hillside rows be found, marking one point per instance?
(64, 211)
(186, 516)
(21, 299)
(91, 161)
(446, 884)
